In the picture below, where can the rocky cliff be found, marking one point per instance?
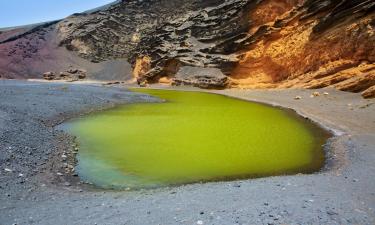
(209, 44)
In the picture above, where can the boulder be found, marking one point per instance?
(69, 75)
(73, 74)
(49, 76)
(209, 78)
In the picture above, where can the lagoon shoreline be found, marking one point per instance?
(342, 193)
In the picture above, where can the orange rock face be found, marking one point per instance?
(142, 66)
(296, 55)
(369, 93)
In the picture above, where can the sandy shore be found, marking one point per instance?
(32, 192)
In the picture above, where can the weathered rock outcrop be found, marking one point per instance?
(72, 74)
(201, 77)
(315, 45)
(250, 43)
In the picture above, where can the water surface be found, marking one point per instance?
(193, 137)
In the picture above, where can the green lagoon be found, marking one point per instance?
(193, 137)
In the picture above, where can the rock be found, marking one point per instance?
(369, 92)
(200, 222)
(143, 83)
(200, 77)
(358, 83)
(165, 80)
(255, 44)
(331, 212)
(69, 75)
(49, 76)
(8, 170)
(297, 97)
(73, 74)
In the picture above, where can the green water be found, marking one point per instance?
(193, 137)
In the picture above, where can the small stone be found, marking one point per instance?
(8, 170)
(325, 93)
(331, 213)
(59, 174)
(200, 222)
(67, 184)
(297, 97)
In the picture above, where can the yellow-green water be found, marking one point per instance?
(193, 137)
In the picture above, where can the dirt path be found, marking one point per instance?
(344, 193)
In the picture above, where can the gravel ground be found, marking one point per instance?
(35, 188)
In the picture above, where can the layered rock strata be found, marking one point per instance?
(251, 43)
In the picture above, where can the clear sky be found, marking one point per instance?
(23, 12)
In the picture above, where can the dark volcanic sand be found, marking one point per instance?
(343, 193)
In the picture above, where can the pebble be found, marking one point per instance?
(8, 170)
(315, 94)
(297, 97)
(200, 222)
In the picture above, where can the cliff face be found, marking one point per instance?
(210, 44)
(319, 44)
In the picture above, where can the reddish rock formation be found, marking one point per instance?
(329, 48)
(369, 93)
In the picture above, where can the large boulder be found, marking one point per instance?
(201, 77)
(49, 76)
(71, 74)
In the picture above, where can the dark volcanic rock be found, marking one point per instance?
(69, 75)
(201, 77)
(49, 76)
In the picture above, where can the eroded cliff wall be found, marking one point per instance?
(210, 44)
(315, 45)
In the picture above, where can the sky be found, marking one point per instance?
(23, 12)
